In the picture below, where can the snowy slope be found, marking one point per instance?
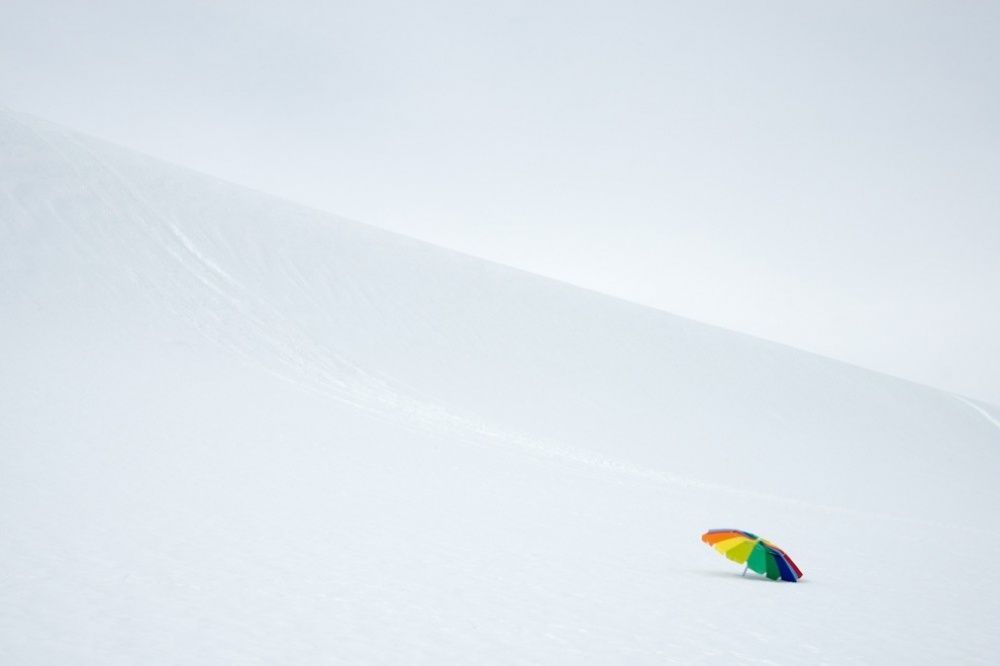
(235, 430)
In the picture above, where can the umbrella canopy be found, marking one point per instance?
(756, 553)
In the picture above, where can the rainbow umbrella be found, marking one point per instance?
(756, 553)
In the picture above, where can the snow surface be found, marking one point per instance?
(235, 430)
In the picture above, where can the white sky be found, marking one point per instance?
(827, 176)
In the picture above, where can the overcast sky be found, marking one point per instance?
(821, 174)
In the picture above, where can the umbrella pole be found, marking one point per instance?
(745, 569)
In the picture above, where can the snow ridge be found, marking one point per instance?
(239, 430)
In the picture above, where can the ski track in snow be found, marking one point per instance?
(985, 414)
(377, 396)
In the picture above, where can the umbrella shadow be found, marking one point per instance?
(750, 576)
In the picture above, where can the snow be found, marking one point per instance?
(236, 430)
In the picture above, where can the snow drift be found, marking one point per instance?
(238, 430)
